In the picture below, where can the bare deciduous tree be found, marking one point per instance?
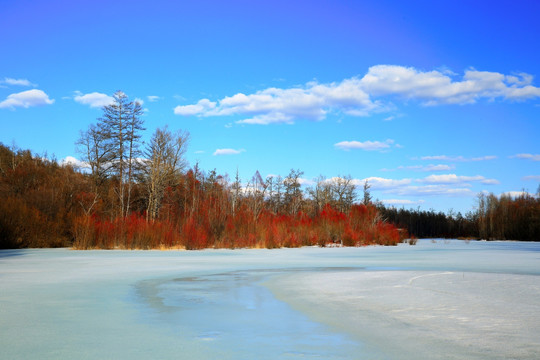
(321, 193)
(163, 166)
(96, 153)
(256, 191)
(293, 192)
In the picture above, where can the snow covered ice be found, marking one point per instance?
(437, 300)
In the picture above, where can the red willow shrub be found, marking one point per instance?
(359, 227)
(133, 232)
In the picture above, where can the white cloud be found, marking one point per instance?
(366, 145)
(401, 202)
(26, 99)
(516, 194)
(533, 157)
(139, 100)
(455, 179)
(70, 160)
(357, 96)
(532, 177)
(266, 119)
(274, 105)
(306, 182)
(228, 152)
(153, 98)
(458, 158)
(199, 152)
(201, 107)
(432, 190)
(483, 158)
(94, 99)
(427, 168)
(436, 87)
(378, 183)
(403, 187)
(18, 82)
(406, 188)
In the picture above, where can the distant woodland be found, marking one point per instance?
(130, 195)
(495, 218)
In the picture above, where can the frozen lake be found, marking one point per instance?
(436, 300)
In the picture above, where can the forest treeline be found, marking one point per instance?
(45, 204)
(132, 195)
(495, 218)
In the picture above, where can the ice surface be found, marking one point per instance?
(442, 299)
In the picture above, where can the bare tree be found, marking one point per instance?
(96, 152)
(256, 191)
(269, 183)
(163, 166)
(134, 125)
(278, 195)
(293, 192)
(321, 193)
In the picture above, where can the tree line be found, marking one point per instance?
(137, 196)
(502, 217)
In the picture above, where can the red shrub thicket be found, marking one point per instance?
(359, 227)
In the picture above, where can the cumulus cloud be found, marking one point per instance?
(427, 168)
(71, 161)
(266, 119)
(458, 158)
(366, 145)
(26, 99)
(435, 87)
(432, 190)
(361, 96)
(306, 182)
(378, 183)
(228, 152)
(274, 105)
(429, 186)
(533, 157)
(202, 107)
(455, 179)
(94, 99)
(18, 82)
(516, 194)
(401, 202)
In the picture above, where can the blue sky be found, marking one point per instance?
(431, 101)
